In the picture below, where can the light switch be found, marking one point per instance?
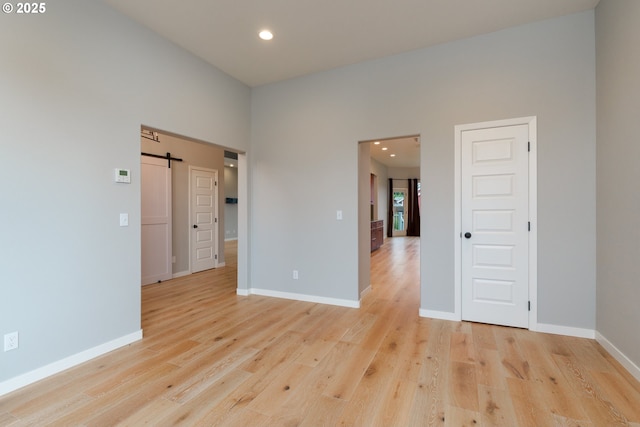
(124, 220)
(339, 215)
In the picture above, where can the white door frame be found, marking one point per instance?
(533, 210)
(216, 214)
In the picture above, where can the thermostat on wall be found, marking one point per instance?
(123, 175)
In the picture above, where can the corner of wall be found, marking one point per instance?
(618, 355)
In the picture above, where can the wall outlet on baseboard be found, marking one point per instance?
(10, 341)
(295, 275)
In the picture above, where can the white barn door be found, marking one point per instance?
(155, 189)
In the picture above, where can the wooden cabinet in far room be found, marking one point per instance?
(377, 237)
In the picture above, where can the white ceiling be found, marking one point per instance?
(317, 35)
(406, 150)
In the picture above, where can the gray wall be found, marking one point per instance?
(231, 209)
(546, 69)
(618, 149)
(76, 84)
(381, 172)
(192, 153)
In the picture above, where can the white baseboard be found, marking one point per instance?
(619, 356)
(230, 239)
(243, 292)
(302, 297)
(442, 315)
(365, 292)
(564, 330)
(221, 264)
(66, 363)
(181, 274)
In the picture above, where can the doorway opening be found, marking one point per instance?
(389, 204)
(399, 198)
(198, 156)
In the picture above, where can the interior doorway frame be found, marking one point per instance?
(531, 122)
(242, 273)
(403, 232)
(364, 213)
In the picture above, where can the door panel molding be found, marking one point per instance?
(531, 122)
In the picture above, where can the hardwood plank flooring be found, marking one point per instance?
(210, 357)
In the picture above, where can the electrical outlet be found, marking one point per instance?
(10, 341)
(295, 274)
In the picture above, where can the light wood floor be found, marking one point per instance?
(210, 357)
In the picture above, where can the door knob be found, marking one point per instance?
(195, 225)
(467, 235)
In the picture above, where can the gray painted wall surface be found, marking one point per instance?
(380, 171)
(363, 216)
(546, 69)
(76, 84)
(192, 153)
(231, 210)
(618, 149)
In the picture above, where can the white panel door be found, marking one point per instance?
(204, 219)
(495, 231)
(155, 189)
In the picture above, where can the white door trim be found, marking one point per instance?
(216, 214)
(533, 210)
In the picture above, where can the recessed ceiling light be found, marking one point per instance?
(392, 155)
(384, 148)
(231, 165)
(265, 35)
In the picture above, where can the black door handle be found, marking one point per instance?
(467, 235)
(195, 225)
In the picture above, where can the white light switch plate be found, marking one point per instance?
(124, 220)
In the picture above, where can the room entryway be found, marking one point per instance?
(399, 225)
(388, 200)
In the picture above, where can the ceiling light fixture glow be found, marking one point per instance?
(384, 148)
(392, 155)
(376, 143)
(265, 35)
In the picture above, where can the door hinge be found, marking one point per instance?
(528, 145)
(216, 183)
(529, 226)
(216, 220)
(216, 256)
(529, 305)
